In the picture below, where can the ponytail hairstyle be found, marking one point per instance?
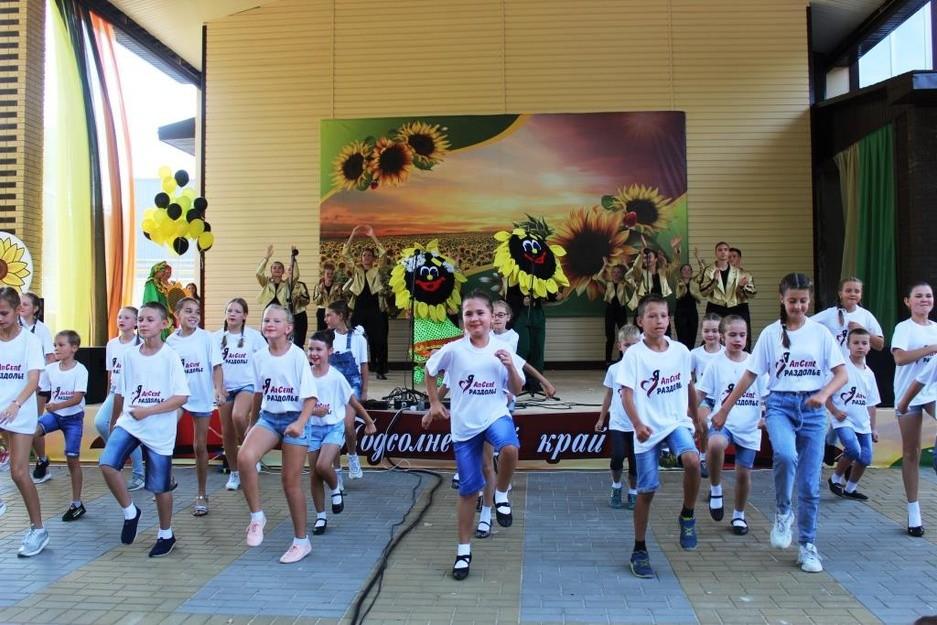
(136, 313)
(797, 281)
(840, 309)
(243, 304)
(340, 308)
(711, 316)
(726, 321)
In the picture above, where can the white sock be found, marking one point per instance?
(632, 491)
(320, 515)
(839, 479)
(463, 550)
(299, 542)
(338, 485)
(851, 486)
(914, 514)
(616, 485)
(164, 534)
(337, 490)
(130, 512)
(715, 490)
(455, 475)
(485, 515)
(501, 496)
(258, 517)
(738, 514)
(77, 503)
(236, 474)
(702, 456)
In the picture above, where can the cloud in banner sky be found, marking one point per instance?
(550, 165)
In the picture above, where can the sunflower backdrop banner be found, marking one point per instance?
(596, 187)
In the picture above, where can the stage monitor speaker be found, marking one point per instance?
(94, 359)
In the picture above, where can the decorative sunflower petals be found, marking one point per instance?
(502, 236)
(520, 232)
(557, 250)
(551, 286)
(540, 289)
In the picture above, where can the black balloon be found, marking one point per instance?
(161, 199)
(147, 235)
(193, 213)
(180, 245)
(207, 227)
(174, 211)
(182, 177)
(200, 203)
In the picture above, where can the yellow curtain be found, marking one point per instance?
(847, 162)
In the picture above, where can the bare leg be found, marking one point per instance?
(74, 472)
(315, 482)
(229, 437)
(642, 510)
(466, 517)
(841, 465)
(294, 457)
(910, 426)
(715, 456)
(691, 478)
(164, 510)
(856, 473)
(201, 454)
(743, 486)
(39, 443)
(20, 445)
(118, 486)
(507, 462)
(488, 470)
(258, 442)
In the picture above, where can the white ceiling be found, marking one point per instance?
(834, 20)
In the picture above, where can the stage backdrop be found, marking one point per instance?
(606, 184)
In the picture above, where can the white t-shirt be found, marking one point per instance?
(145, 381)
(114, 354)
(354, 342)
(285, 381)
(855, 398)
(700, 359)
(334, 391)
(909, 336)
(480, 384)
(717, 382)
(41, 332)
(805, 366)
(660, 382)
(830, 319)
(237, 360)
(64, 385)
(617, 419)
(510, 337)
(18, 357)
(200, 354)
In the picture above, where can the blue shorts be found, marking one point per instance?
(277, 423)
(319, 435)
(234, 392)
(71, 425)
(744, 457)
(158, 471)
(199, 415)
(679, 441)
(469, 455)
(913, 409)
(708, 402)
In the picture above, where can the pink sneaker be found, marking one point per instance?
(255, 533)
(296, 553)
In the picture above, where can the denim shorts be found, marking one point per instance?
(158, 469)
(744, 457)
(233, 393)
(71, 425)
(469, 455)
(319, 435)
(679, 442)
(277, 423)
(199, 415)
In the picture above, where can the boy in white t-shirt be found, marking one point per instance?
(483, 372)
(150, 389)
(658, 393)
(853, 410)
(620, 430)
(67, 383)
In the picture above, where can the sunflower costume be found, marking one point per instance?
(155, 290)
(532, 274)
(428, 281)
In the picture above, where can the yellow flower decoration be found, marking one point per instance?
(350, 167)
(524, 258)
(644, 208)
(428, 142)
(15, 263)
(391, 162)
(430, 278)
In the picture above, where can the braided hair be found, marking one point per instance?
(797, 281)
(840, 308)
(240, 301)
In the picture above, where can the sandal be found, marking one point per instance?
(337, 507)
(716, 512)
(483, 530)
(201, 506)
(461, 572)
(320, 526)
(504, 518)
(740, 527)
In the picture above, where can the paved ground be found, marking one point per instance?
(563, 561)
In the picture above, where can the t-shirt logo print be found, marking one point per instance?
(651, 383)
(466, 384)
(848, 396)
(842, 336)
(266, 385)
(136, 393)
(224, 354)
(55, 393)
(781, 364)
(727, 392)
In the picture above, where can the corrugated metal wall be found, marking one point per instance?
(738, 69)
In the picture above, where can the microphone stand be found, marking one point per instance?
(408, 395)
(534, 395)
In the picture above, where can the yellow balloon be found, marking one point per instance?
(165, 172)
(167, 229)
(150, 213)
(149, 226)
(196, 228)
(185, 202)
(189, 192)
(160, 217)
(206, 240)
(182, 227)
(169, 184)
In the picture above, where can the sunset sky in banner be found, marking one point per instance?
(545, 165)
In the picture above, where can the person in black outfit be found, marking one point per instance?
(686, 317)
(617, 295)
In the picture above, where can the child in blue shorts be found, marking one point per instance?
(482, 371)
(658, 393)
(67, 383)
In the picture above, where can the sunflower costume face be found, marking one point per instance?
(430, 278)
(526, 259)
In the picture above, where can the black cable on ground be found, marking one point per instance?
(377, 577)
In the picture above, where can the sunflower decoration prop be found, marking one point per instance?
(16, 263)
(593, 239)
(525, 258)
(391, 162)
(430, 278)
(427, 141)
(643, 208)
(178, 215)
(351, 168)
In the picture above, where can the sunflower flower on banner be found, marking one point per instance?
(526, 259)
(643, 208)
(428, 282)
(594, 239)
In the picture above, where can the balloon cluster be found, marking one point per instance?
(179, 215)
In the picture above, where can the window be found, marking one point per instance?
(907, 48)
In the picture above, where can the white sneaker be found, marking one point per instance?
(259, 467)
(135, 483)
(34, 542)
(354, 467)
(234, 481)
(781, 531)
(809, 559)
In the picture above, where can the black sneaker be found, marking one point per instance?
(163, 547)
(836, 489)
(74, 512)
(855, 495)
(41, 473)
(129, 532)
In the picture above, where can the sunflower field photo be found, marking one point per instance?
(598, 187)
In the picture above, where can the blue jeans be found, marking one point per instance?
(102, 423)
(679, 442)
(856, 446)
(158, 467)
(71, 426)
(798, 436)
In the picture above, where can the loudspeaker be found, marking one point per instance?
(95, 361)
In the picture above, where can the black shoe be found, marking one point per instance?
(41, 472)
(319, 527)
(716, 513)
(505, 519)
(130, 529)
(836, 489)
(455, 483)
(739, 527)
(917, 532)
(483, 530)
(74, 513)
(855, 495)
(381, 376)
(337, 507)
(703, 469)
(163, 547)
(462, 572)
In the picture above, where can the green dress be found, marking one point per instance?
(152, 292)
